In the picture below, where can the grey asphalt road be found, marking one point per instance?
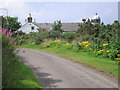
(56, 72)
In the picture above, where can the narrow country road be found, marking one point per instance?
(56, 72)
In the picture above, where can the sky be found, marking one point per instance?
(65, 11)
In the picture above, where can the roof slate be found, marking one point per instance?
(65, 26)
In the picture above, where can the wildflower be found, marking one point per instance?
(67, 44)
(14, 43)
(117, 58)
(100, 51)
(80, 43)
(57, 41)
(107, 51)
(86, 45)
(105, 44)
(11, 42)
(85, 42)
(118, 55)
(4, 31)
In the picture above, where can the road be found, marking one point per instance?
(57, 72)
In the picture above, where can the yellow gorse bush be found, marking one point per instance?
(100, 51)
(107, 51)
(117, 58)
(57, 41)
(105, 44)
(85, 44)
(67, 44)
(118, 55)
(80, 43)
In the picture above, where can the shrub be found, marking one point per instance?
(57, 26)
(54, 34)
(69, 36)
(40, 37)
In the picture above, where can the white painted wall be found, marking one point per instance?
(26, 28)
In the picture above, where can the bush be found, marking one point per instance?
(40, 37)
(14, 72)
(54, 34)
(69, 36)
(57, 26)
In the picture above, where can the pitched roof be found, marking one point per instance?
(65, 26)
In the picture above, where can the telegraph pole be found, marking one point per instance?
(6, 15)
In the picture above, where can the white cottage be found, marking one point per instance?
(29, 26)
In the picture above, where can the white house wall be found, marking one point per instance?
(26, 28)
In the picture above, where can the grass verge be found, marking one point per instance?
(15, 74)
(105, 65)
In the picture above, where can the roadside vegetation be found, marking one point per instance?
(95, 37)
(14, 73)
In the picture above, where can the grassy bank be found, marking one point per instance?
(15, 74)
(87, 58)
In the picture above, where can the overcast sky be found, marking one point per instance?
(64, 11)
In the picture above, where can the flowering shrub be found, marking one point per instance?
(57, 43)
(8, 36)
(7, 45)
(68, 45)
(100, 51)
(107, 51)
(103, 50)
(118, 58)
(85, 45)
(118, 55)
(105, 44)
(6, 33)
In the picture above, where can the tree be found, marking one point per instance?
(11, 23)
(57, 26)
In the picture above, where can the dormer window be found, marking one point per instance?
(32, 28)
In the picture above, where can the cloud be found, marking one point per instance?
(49, 12)
(15, 8)
(22, 9)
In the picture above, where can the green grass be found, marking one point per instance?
(108, 66)
(15, 74)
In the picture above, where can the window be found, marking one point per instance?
(32, 28)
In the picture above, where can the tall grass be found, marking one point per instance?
(14, 73)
